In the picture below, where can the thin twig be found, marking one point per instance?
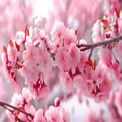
(84, 47)
(3, 104)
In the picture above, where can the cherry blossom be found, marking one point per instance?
(73, 55)
(61, 58)
(48, 66)
(22, 102)
(57, 114)
(39, 116)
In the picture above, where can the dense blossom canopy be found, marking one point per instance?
(39, 60)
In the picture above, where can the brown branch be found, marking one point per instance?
(7, 106)
(84, 47)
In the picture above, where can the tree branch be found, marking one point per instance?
(7, 106)
(84, 47)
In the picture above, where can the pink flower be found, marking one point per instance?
(98, 83)
(39, 116)
(10, 72)
(46, 62)
(102, 83)
(105, 88)
(73, 56)
(105, 56)
(66, 81)
(82, 62)
(21, 102)
(79, 82)
(20, 37)
(38, 89)
(26, 94)
(98, 34)
(56, 114)
(61, 58)
(29, 109)
(69, 37)
(58, 32)
(12, 54)
(30, 68)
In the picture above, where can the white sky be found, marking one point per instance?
(41, 7)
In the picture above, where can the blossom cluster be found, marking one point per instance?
(33, 59)
(24, 111)
(28, 60)
(14, 15)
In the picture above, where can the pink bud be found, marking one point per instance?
(57, 102)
